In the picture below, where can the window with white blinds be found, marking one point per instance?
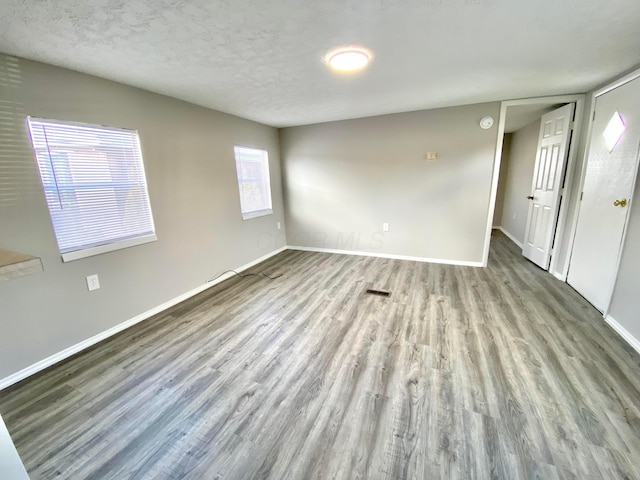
(253, 182)
(94, 182)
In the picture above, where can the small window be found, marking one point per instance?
(94, 182)
(253, 182)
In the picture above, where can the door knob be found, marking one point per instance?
(530, 197)
(620, 203)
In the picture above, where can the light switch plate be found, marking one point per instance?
(430, 156)
(93, 283)
(385, 227)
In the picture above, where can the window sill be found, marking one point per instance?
(259, 213)
(110, 247)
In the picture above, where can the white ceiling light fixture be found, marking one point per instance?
(348, 59)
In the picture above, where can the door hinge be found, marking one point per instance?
(581, 194)
(571, 125)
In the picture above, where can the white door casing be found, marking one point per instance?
(546, 188)
(609, 177)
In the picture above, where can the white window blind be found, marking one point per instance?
(94, 182)
(253, 182)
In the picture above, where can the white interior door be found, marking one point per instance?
(551, 159)
(608, 187)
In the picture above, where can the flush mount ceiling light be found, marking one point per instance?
(348, 59)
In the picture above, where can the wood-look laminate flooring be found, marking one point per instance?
(463, 372)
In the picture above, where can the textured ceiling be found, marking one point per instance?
(262, 59)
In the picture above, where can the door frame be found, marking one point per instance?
(633, 75)
(559, 271)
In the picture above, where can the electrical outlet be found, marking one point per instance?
(278, 225)
(93, 283)
(385, 227)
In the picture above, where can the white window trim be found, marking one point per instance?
(112, 246)
(256, 214)
(107, 247)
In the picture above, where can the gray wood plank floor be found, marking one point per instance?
(463, 372)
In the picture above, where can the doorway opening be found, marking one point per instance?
(536, 158)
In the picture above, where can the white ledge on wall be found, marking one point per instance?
(15, 265)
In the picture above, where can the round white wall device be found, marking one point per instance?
(486, 122)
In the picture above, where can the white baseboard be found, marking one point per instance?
(387, 255)
(511, 237)
(78, 347)
(623, 332)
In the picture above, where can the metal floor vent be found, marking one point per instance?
(382, 293)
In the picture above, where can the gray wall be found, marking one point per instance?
(502, 179)
(344, 179)
(522, 159)
(188, 154)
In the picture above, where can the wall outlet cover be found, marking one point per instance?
(93, 282)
